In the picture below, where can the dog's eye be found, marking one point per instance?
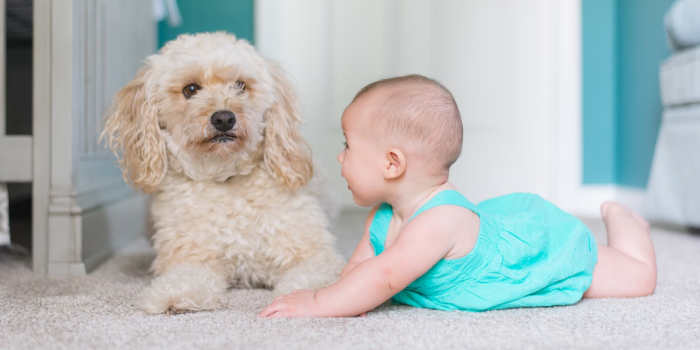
(240, 85)
(190, 90)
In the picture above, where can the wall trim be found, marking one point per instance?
(586, 200)
(567, 160)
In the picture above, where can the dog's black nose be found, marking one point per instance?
(223, 120)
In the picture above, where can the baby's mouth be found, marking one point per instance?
(223, 138)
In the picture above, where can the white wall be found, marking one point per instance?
(512, 65)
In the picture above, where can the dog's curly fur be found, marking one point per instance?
(233, 213)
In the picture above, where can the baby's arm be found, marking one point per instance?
(364, 249)
(420, 245)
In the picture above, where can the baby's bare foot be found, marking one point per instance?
(629, 234)
(613, 211)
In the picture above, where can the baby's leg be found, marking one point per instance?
(627, 265)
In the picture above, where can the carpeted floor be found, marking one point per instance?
(96, 312)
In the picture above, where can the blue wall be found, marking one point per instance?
(642, 48)
(623, 44)
(211, 15)
(599, 100)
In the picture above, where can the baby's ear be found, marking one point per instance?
(287, 156)
(132, 127)
(394, 164)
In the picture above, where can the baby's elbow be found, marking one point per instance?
(388, 280)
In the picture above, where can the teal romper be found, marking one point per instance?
(528, 253)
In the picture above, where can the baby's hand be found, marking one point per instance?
(301, 303)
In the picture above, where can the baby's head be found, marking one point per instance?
(416, 114)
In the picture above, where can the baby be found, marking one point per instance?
(428, 246)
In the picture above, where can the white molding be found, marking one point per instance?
(586, 199)
(64, 269)
(568, 158)
(633, 198)
(65, 233)
(41, 132)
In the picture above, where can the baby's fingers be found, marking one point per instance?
(271, 309)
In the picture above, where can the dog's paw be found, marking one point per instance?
(154, 302)
(316, 272)
(287, 287)
(184, 288)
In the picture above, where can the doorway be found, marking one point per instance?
(18, 111)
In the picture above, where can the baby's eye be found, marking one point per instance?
(345, 144)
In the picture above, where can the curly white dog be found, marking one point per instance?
(211, 129)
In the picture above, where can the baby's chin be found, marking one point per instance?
(362, 202)
(355, 199)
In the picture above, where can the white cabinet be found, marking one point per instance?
(83, 51)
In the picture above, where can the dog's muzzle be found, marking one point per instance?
(223, 120)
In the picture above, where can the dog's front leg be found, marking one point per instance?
(191, 286)
(315, 272)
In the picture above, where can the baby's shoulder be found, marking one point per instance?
(450, 218)
(457, 227)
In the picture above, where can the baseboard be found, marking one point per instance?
(585, 200)
(110, 227)
(65, 269)
(633, 198)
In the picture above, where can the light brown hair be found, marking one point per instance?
(422, 109)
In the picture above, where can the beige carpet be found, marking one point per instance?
(96, 312)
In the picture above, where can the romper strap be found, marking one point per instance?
(447, 197)
(379, 227)
(382, 217)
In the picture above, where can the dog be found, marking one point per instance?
(210, 128)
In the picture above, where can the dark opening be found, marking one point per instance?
(18, 109)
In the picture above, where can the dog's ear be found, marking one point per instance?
(287, 156)
(132, 127)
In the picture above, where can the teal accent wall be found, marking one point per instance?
(599, 100)
(623, 44)
(234, 16)
(642, 48)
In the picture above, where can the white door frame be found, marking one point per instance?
(41, 132)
